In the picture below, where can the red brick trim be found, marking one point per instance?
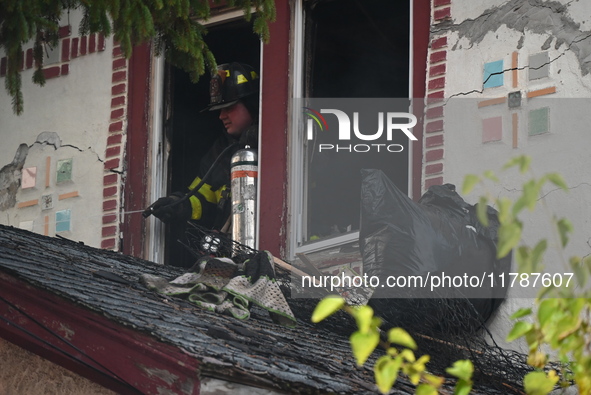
(109, 218)
(437, 70)
(113, 151)
(70, 48)
(110, 179)
(65, 31)
(109, 244)
(51, 72)
(433, 181)
(441, 14)
(29, 61)
(116, 127)
(439, 43)
(434, 155)
(112, 164)
(434, 152)
(434, 141)
(439, 56)
(438, 83)
(434, 169)
(435, 126)
(115, 137)
(435, 112)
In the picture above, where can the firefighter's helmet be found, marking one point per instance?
(233, 81)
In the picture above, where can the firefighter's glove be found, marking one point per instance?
(171, 208)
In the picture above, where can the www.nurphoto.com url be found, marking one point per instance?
(441, 280)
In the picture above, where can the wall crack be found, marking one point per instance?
(53, 139)
(560, 189)
(481, 91)
(534, 16)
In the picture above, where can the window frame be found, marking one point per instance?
(160, 147)
(297, 166)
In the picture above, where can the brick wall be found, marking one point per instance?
(434, 152)
(115, 150)
(64, 55)
(69, 48)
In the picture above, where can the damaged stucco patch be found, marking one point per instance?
(11, 174)
(10, 178)
(49, 138)
(536, 16)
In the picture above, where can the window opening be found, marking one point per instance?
(353, 49)
(189, 131)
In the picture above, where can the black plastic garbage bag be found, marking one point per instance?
(439, 239)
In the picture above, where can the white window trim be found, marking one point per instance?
(296, 148)
(158, 159)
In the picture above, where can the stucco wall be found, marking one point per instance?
(78, 116)
(545, 49)
(22, 372)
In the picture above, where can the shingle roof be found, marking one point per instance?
(307, 359)
(311, 358)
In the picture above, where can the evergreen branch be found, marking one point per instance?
(172, 25)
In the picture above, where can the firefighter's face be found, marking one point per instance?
(236, 118)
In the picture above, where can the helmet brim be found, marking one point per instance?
(219, 106)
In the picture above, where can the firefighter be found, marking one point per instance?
(234, 92)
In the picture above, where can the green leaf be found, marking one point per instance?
(537, 359)
(531, 192)
(363, 316)
(363, 345)
(524, 163)
(519, 329)
(567, 326)
(425, 389)
(522, 312)
(537, 383)
(481, 211)
(385, 372)
(576, 264)
(392, 351)
(505, 214)
(564, 228)
(490, 175)
(587, 262)
(401, 337)
(376, 322)
(470, 182)
(546, 310)
(509, 236)
(327, 307)
(435, 381)
(545, 291)
(408, 355)
(461, 369)
(523, 258)
(557, 180)
(537, 253)
(462, 388)
(519, 205)
(512, 162)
